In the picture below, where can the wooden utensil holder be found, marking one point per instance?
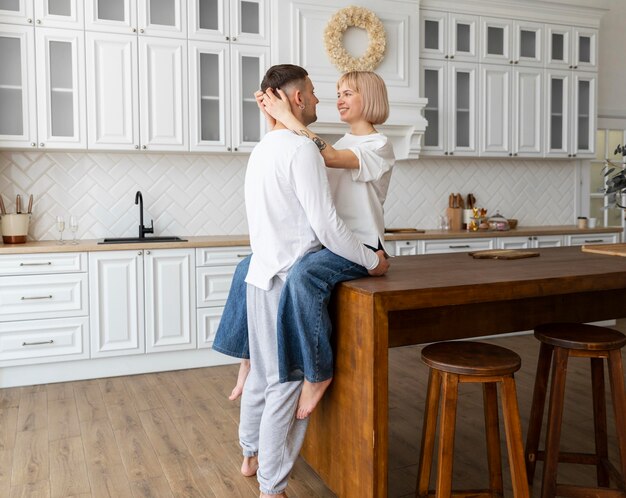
(455, 218)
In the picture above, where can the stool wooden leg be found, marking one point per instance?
(536, 409)
(513, 428)
(429, 428)
(555, 417)
(618, 395)
(445, 452)
(492, 432)
(599, 420)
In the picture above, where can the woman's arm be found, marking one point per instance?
(258, 95)
(278, 108)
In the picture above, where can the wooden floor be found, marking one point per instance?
(174, 434)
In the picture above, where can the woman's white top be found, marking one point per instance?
(359, 194)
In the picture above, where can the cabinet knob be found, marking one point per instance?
(227, 38)
(38, 21)
(141, 30)
(29, 21)
(235, 149)
(138, 253)
(446, 57)
(452, 57)
(571, 67)
(136, 147)
(33, 144)
(569, 155)
(445, 153)
(451, 153)
(516, 62)
(41, 144)
(228, 149)
(147, 252)
(575, 67)
(144, 147)
(515, 154)
(573, 155)
(510, 154)
(510, 62)
(134, 30)
(234, 38)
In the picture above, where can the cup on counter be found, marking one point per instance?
(582, 222)
(592, 222)
(444, 223)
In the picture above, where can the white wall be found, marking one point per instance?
(612, 61)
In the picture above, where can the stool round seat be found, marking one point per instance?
(580, 336)
(471, 358)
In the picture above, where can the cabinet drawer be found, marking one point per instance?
(26, 264)
(42, 341)
(456, 245)
(592, 238)
(207, 256)
(405, 247)
(43, 296)
(213, 284)
(208, 320)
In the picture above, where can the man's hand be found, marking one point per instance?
(383, 265)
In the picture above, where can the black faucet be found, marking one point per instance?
(142, 229)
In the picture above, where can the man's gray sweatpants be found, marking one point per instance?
(268, 426)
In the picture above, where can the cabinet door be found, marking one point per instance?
(584, 114)
(112, 16)
(547, 241)
(462, 98)
(585, 49)
(433, 37)
(495, 40)
(250, 21)
(116, 303)
(208, 320)
(247, 68)
(61, 88)
(59, 13)
(18, 118)
(527, 125)
(16, 11)
(162, 18)
(112, 95)
(558, 46)
(495, 110)
(209, 20)
(528, 43)
(558, 89)
(209, 96)
(170, 299)
(514, 242)
(462, 35)
(434, 84)
(163, 102)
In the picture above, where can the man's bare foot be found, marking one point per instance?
(244, 370)
(311, 393)
(249, 466)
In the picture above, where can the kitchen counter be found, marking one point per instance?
(91, 245)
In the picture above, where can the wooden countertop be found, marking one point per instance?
(89, 245)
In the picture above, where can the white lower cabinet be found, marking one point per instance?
(455, 245)
(214, 275)
(592, 238)
(530, 242)
(43, 308)
(141, 301)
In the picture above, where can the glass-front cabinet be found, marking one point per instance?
(112, 16)
(451, 90)
(162, 18)
(60, 88)
(243, 21)
(571, 47)
(505, 41)
(59, 13)
(224, 115)
(17, 11)
(18, 118)
(448, 35)
(570, 107)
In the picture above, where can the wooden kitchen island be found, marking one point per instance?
(432, 298)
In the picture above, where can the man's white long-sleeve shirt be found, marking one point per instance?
(290, 209)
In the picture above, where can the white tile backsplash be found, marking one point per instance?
(193, 194)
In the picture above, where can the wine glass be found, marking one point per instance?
(60, 228)
(74, 228)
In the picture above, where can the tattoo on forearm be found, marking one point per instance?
(321, 145)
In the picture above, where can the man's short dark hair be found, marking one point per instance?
(281, 75)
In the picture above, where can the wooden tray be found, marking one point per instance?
(608, 249)
(504, 254)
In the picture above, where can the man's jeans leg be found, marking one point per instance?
(304, 325)
(231, 337)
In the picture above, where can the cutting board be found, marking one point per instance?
(609, 249)
(504, 254)
(404, 230)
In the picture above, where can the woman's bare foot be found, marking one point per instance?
(249, 466)
(311, 393)
(244, 370)
(282, 495)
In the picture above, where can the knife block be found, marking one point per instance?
(455, 217)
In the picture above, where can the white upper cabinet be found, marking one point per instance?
(112, 91)
(572, 47)
(113, 16)
(61, 88)
(163, 94)
(242, 21)
(59, 13)
(18, 119)
(449, 35)
(505, 41)
(17, 11)
(162, 18)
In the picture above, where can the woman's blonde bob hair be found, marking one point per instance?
(373, 91)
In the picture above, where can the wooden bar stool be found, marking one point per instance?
(563, 340)
(452, 363)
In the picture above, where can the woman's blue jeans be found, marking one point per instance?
(304, 325)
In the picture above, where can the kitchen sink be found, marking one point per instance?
(135, 240)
